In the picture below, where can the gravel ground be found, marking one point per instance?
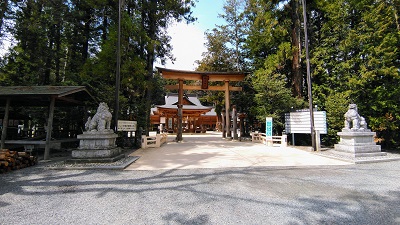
(354, 194)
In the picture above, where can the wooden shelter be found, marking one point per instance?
(204, 77)
(51, 96)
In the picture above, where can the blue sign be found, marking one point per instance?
(268, 127)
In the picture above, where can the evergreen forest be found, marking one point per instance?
(354, 55)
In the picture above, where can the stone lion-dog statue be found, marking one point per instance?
(353, 120)
(101, 121)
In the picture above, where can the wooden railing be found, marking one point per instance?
(280, 141)
(154, 141)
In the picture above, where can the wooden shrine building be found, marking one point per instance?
(196, 117)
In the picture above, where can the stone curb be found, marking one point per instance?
(362, 160)
(98, 166)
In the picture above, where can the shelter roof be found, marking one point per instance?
(41, 95)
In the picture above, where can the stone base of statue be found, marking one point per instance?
(358, 143)
(97, 146)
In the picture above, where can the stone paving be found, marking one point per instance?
(211, 151)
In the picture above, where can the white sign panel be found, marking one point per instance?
(299, 122)
(268, 128)
(162, 119)
(127, 125)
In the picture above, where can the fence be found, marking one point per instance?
(280, 141)
(154, 141)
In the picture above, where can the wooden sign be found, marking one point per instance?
(204, 81)
(126, 125)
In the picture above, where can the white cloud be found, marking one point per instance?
(188, 45)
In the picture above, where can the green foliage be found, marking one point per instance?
(355, 51)
(336, 106)
(271, 52)
(272, 96)
(74, 42)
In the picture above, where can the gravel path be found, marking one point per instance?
(351, 194)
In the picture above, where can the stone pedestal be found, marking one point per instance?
(97, 146)
(359, 143)
(97, 140)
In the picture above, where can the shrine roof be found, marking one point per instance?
(211, 113)
(190, 102)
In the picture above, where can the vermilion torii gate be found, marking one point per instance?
(204, 77)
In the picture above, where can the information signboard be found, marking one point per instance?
(299, 122)
(127, 125)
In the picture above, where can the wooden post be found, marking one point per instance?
(227, 105)
(180, 101)
(49, 128)
(5, 124)
(317, 141)
(241, 126)
(158, 140)
(144, 141)
(234, 122)
(223, 123)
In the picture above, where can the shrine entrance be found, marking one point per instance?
(182, 76)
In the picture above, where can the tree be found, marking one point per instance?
(73, 42)
(273, 57)
(355, 51)
(235, 31)
(155, 17)
(4, 9)
(273, 25)
(226, 53)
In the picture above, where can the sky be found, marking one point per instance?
(188, 40)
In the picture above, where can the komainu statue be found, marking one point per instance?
(353, 120)
(101, 121)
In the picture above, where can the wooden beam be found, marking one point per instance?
(196, 87)
(212, 77)
(227, 114)
(197, 75)
(5, 123)
(70, 100)
(49, 128)
(180, 112)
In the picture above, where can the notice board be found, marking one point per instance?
(299, 122)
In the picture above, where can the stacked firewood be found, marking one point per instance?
(13, 160)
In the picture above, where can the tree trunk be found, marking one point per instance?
(150, 58)
(3, 10)
(105, 25)
(58, 54)
(86, 35)
(297, 77)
